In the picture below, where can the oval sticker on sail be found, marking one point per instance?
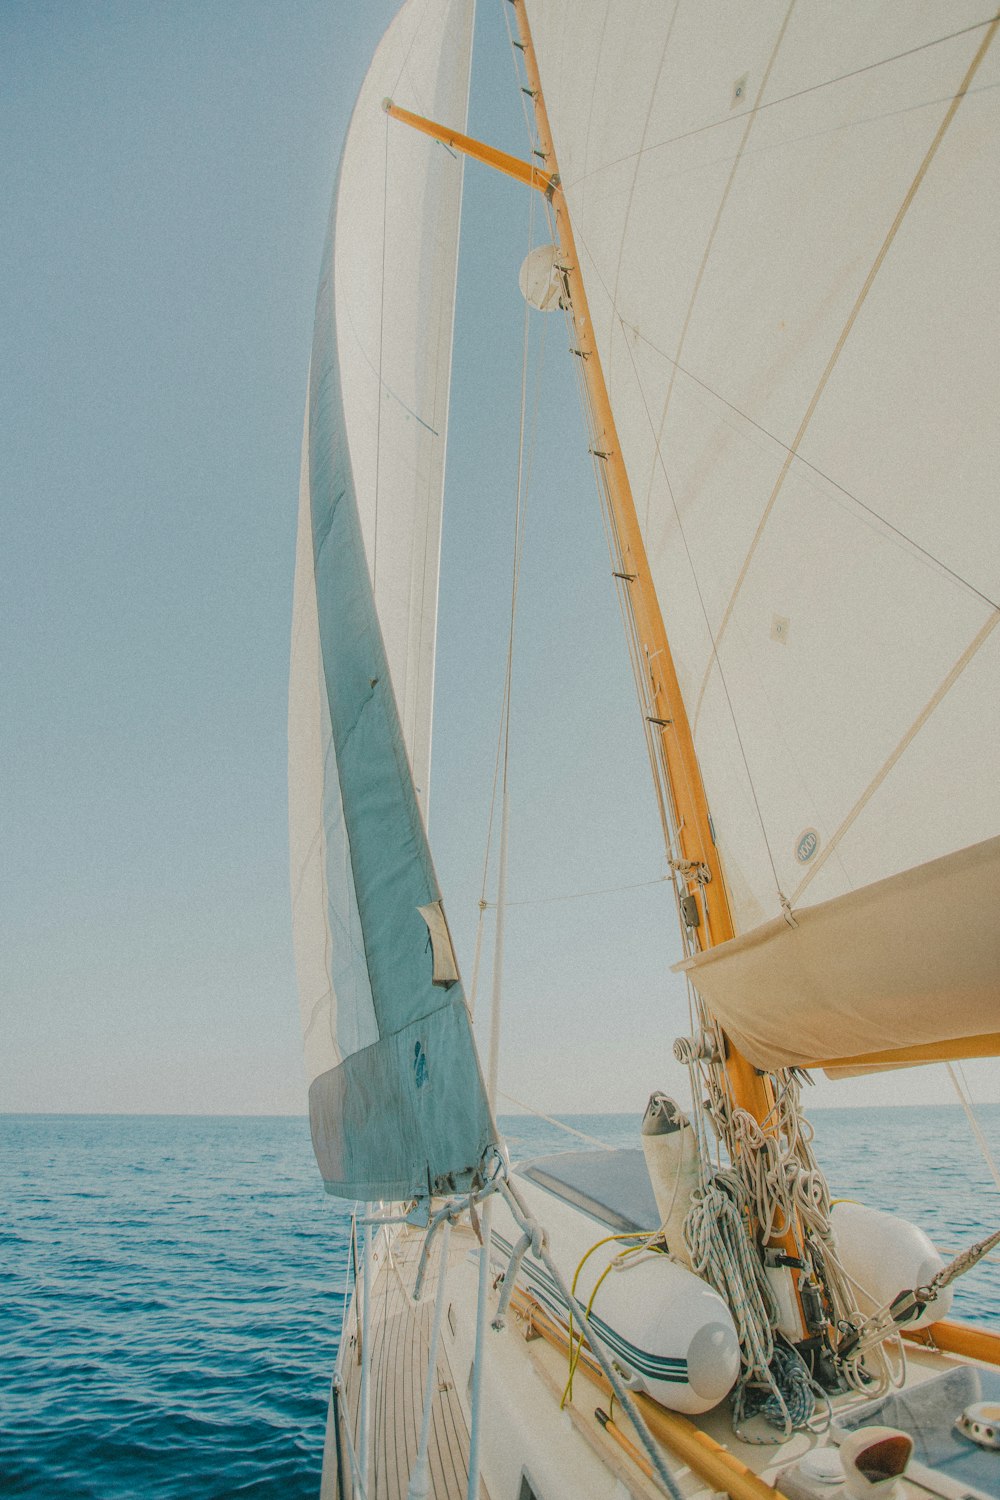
(807, 845)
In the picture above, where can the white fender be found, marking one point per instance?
(886, 1255)
(667, 1330)
(671, 1152)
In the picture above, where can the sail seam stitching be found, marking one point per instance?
(709, 245)
(814, 88)
(876, 516)
(838, 348)
(704, 610)
(635, 171)
(914, 729)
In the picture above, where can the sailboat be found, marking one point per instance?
(772, 235)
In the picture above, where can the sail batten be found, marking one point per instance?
(396, 1099)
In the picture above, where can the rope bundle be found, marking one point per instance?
(773, 1187)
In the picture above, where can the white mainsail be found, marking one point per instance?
(396, 1100)
(786, 227)
(398, 203)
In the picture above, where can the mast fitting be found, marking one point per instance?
(689, 911)
(701, 1047)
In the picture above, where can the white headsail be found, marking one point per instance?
(786, 227)
(396, 1100)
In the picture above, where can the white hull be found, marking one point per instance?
(561, 1454)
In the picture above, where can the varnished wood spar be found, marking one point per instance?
(958, 1338)
(511, 166)
(750, 1089)
(697, 844)
(703, 1455)
(961, 1048)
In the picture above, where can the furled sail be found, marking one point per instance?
(397, 1104)
(784, 217)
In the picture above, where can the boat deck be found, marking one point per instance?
(535, 1443)
(401, 1336)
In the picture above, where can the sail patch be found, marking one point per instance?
(445, 966)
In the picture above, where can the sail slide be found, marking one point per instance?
(396, 1099)
(907, 968)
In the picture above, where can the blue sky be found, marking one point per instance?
(166, 176)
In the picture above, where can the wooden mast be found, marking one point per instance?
(701, 868)
(669, 719)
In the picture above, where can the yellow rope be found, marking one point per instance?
(574, 1353)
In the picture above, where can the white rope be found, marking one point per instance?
(957, 1076)
(606, 890)
(560, 1124)
(493, 1056)
(774, 1181)
(721, 1253)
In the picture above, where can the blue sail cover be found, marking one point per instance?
(397, 1103)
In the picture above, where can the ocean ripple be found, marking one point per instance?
(171, 1288)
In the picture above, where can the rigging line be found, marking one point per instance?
(518, 549)
(632, 645)
(528, 115)
(638, 160)
(903, 744)
(551, 1120)
(662, 788)
(483, 903)
(607, 890)
(363, 354)
(661, 781)
(414, 35)
(670, 821)
(704, 610)
(493, 1056)
(857, 122)
(751, 119)
(848, 494)
(961, 1086)
(813, 88)
(593, 81)
(862, 296)
(381, 333)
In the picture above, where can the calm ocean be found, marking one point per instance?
(171, 1287)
